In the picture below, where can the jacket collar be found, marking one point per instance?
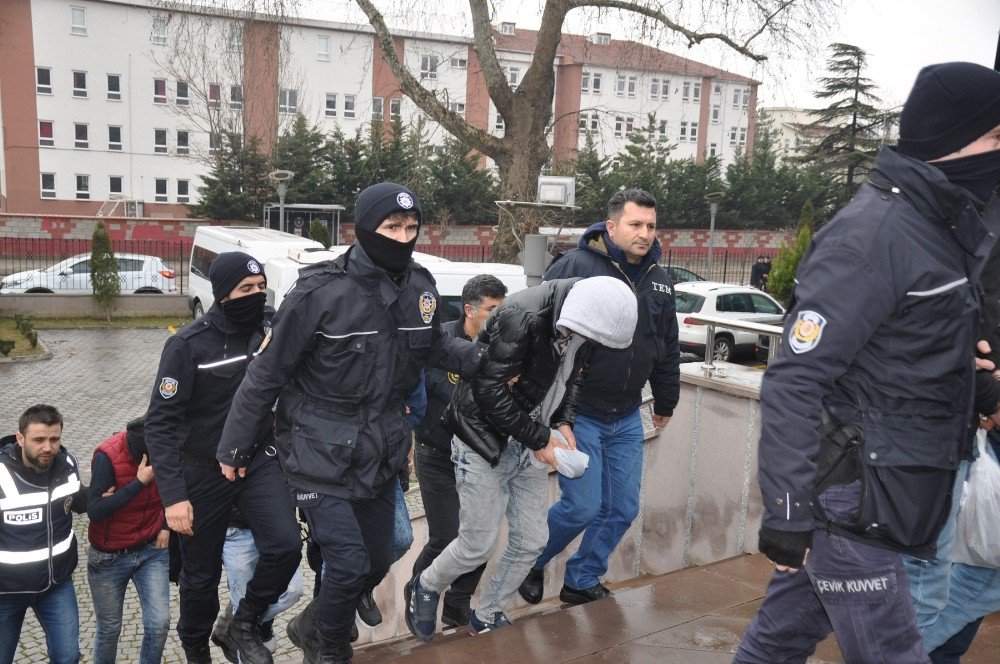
(930, 192)
(456, 328)
(597, 240)
(359, 265)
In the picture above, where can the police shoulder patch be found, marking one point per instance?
(806, 332)
(428, 305)
(168, 387)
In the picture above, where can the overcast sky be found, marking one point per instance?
(900, 37)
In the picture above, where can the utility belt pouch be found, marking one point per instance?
(838, 461)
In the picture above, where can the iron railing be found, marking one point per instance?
(773, 332)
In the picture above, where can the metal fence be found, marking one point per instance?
(728, 265)
(21, 254)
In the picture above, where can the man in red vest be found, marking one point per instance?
(128, 541)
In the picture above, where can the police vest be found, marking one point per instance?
(37, 545)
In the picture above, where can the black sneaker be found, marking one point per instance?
(368, 610)
(584, 595)
(455, 616)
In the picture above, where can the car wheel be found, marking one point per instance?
(199, 310)
(722, 350)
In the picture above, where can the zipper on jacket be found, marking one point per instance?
(631, 352)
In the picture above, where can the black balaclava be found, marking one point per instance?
(135, 438)
(374, 204)
(979, 174)
(228, 270)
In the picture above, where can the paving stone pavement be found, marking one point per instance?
(100, 379)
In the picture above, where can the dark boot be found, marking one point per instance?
(303, 634)
(533, 586)
(335, 653)
(197, 654)
(220, 635)
(244, 633)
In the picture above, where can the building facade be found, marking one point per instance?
(124, 100)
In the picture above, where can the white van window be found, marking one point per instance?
(201, 260)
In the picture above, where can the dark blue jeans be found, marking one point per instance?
(859, 592)
(108, 575)
(57, 612)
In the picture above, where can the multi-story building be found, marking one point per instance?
(125, 99)
(793, 130)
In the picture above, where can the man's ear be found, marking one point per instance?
(20, 438)
(609, 225)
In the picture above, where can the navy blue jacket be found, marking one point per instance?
(440, 385)
(615, 378)
(881, 334)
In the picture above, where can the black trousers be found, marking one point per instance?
(436, 474)
(355, 538)
(269, 511)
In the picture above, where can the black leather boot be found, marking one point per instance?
(244, 633)
(303, 634)
(335, 653)
(197, 653)
(533, 586)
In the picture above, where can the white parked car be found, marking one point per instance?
(137, 273)
(727, 301)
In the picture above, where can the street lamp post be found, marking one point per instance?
(281, 178)
(713, 207)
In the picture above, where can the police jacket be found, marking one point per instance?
(484, 412)
(201, 368)
(615, 378)
(348, 347)
(881, 335)
(439, 386)
(37, 544)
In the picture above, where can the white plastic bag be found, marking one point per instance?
(977, 536)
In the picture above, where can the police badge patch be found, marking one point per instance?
(404, 200)
(168, 387)
(428, 305)
(806, 332)
(253, 267)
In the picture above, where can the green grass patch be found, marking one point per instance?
(21, 345)
(122, 322)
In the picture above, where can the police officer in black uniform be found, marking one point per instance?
(348, 347)
(869, 404)
(200, 370)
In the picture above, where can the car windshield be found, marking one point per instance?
(688, 303)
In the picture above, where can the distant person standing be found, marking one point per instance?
(758, 272)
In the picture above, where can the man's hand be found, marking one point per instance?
(108, 493)
(145, 472)
(409, 459)
(660, 421)
(548, 453)
(567, 432)
(162, 539)
(787, 550)
(231, 472)
(180, 517)
(983, 348)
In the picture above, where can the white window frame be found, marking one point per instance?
(184, 100)
(458, 62)
(633, 86)
(585, 82)
(214, 142)
(82, 194)
(158, 146)
(619, 126)
(184, 198)
(513, 76)
(500, 125)
(350, 106)
(507, 28)
(663, 128)
(288, 100)
(114, 95)
(693, 132)
(160, 98)
(743, 135)
(40, 88)
(78, 21)
(47, 193)
(602, 38)
(115, 146)
(323, 48)
(81, 144)
(157, 196)
(378, 109)
(713, 149)
(329, 110)
(596, 83)
(716, 113)
(682, 135)
(746, 97)
(121, 182)
(395, 108)
(428, 66)
(457, 107)
(621, 84)
(654, 88)
(686, 91)
(236, 96)
(736, 98)
(186, 147)
(158, 35)
(215, 102)
(234, 37)
(732, 136)
(717, 89)
(80, 93)
(51, 140)
(629, 125)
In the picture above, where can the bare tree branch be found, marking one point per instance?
(496, 83)
(427, 101)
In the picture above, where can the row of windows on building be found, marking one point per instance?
(658, 88)
(161, 186)
(687, 131)
(82, 138)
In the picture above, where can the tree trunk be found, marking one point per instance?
(519, 182)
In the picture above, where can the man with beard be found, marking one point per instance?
(200, 370)
(348, 347)
(39, 488)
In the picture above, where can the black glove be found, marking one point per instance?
(784, 547)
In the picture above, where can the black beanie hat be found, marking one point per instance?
(378, 201)
(229, 269)
(951, 105)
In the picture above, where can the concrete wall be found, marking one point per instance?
(51, 305)
(700, 499)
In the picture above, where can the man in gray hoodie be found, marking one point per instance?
(519, 409)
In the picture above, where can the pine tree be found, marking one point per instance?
(593, 187)
(855, 125)
(459, 189)
(303, 150)
(644, 161)
(237, 187)
(104, 270)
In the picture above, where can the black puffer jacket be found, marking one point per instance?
(520, 332)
